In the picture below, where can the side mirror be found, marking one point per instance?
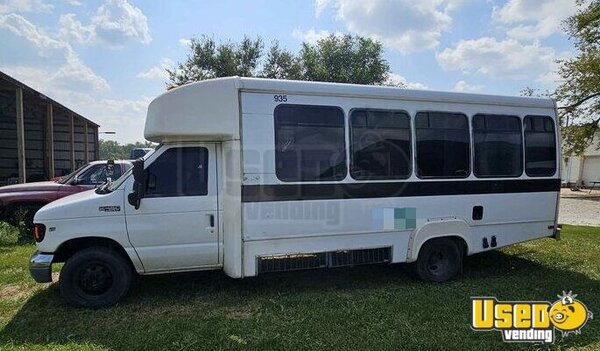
(76, 180)
(139, 182)
(133, 200)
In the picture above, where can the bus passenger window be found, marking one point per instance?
(380, 144)
(540, 146)
(309, 143)
(498, 146)
(442, 140)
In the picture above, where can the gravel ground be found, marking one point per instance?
(579, 211)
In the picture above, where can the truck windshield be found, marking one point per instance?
(70, 176)
(117, 183)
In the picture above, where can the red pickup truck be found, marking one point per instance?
(21, 201)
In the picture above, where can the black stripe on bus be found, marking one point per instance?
(333, 191)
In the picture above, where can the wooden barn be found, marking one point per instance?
(39, 137)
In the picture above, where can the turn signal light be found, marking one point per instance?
(39, 231)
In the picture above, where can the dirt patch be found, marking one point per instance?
(14, 292)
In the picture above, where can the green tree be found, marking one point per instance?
(579, 93)
(211, 60)
(112, 150)
(344, 59)
(281, 64)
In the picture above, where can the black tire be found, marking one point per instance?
(95, 277)
(439, 260)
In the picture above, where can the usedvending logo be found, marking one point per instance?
(530, 321)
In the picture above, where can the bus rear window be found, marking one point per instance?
(540, 146)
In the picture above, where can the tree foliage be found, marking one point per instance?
(335, 58)
(345, 59)
(112, 150)
(579, 93)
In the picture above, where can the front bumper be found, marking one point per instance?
(40, 267)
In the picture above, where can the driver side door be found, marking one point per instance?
(176, 224)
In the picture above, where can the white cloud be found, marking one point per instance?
(321, 5)
(185, 42)
(125, 116)
(404, 25)
(158, 72)
(398, 80)
(528, 20)
(463, 87)
(452, 5)
(311, 36)
(58, 59)
(71, 29)
(17, 6)
(73, 2)
(49, 64)
(117, 21)
(500, 59)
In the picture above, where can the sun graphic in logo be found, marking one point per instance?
(568, 314)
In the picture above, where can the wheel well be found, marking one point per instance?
(459, 241)
(70, 247)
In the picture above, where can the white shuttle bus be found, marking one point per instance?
(256, 175)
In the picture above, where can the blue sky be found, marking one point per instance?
(105, 58)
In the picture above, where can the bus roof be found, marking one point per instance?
(199, 110)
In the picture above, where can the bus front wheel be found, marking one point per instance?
(95, 277)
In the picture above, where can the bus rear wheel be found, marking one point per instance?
(439, 260)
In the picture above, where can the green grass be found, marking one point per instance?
(361, 308)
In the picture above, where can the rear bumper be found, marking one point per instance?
(40, 267)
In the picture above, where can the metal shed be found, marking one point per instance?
(39, 137)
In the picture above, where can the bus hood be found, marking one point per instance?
(86, 204)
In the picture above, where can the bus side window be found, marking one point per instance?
(380, 144)
(443, 145)
(310, 143)
(498, 146)
(540, 146)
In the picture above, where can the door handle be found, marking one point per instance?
(211, 221)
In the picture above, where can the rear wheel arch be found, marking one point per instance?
(456, 230)
(458, 239)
